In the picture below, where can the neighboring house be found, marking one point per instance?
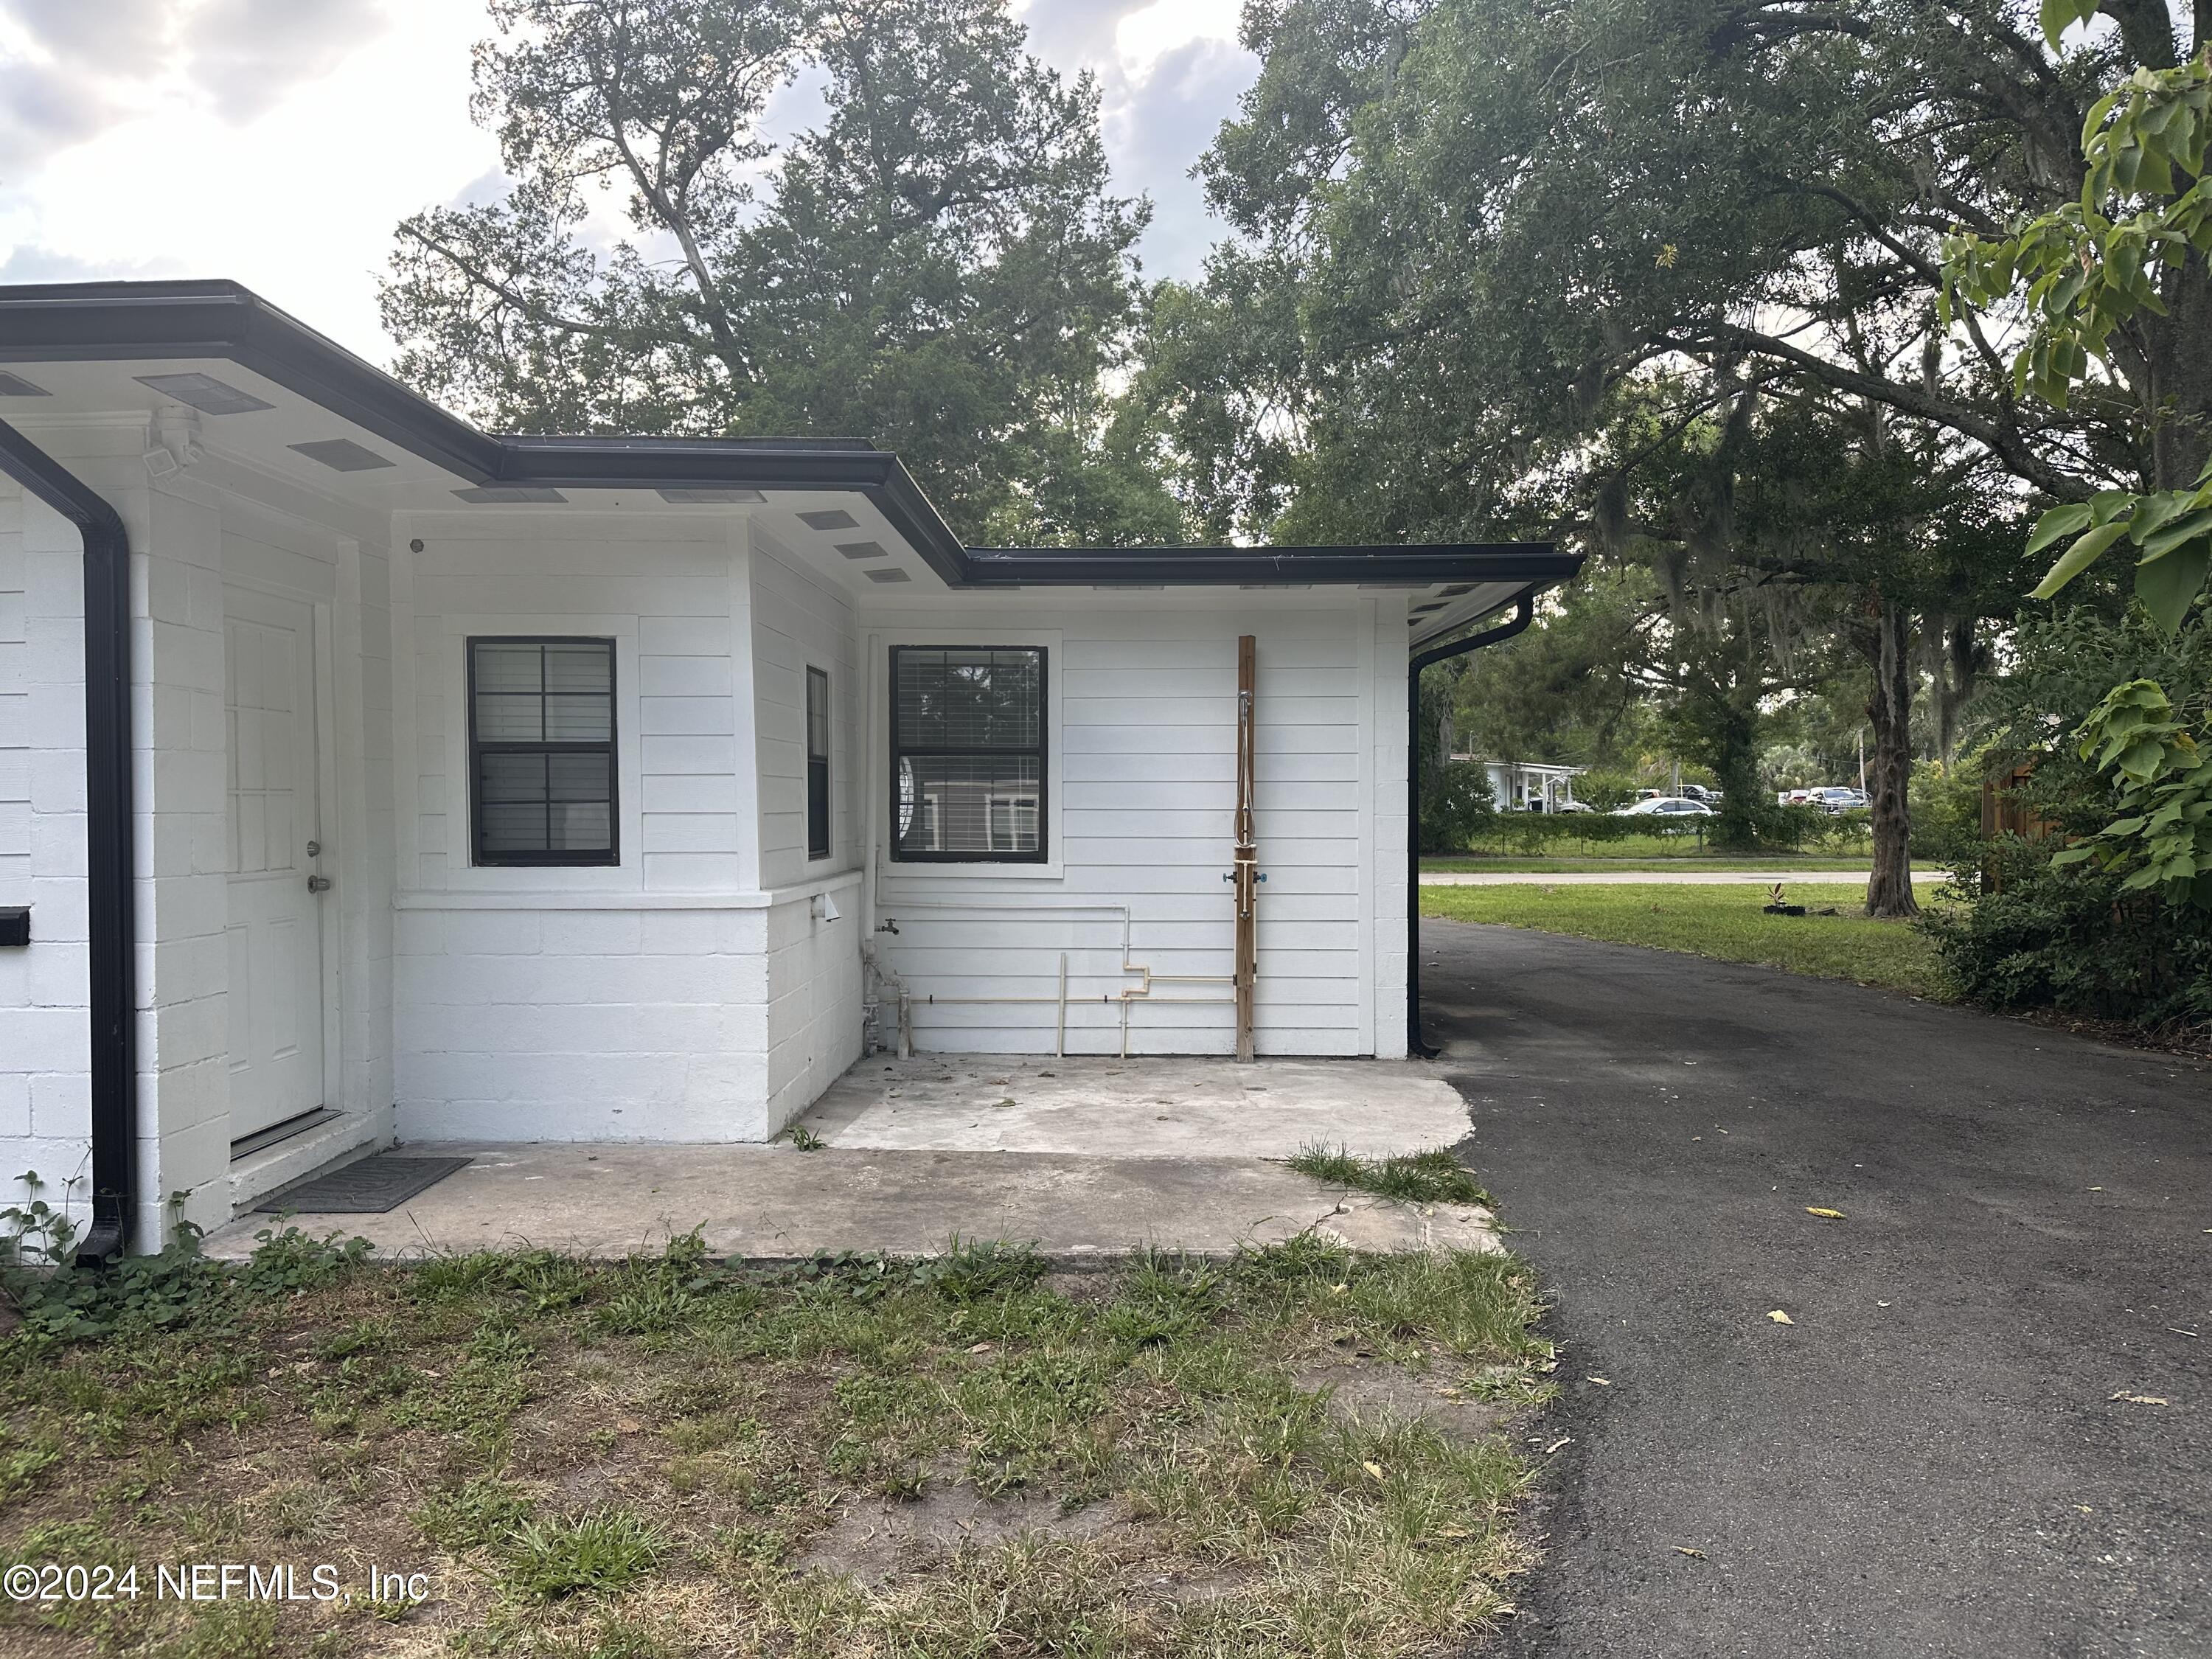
(1530, 786)
(468, 787)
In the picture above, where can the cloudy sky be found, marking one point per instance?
(277, 141)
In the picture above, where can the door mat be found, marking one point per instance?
(370, 1186)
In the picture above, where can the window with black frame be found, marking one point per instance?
(968, 754)
(541, 751)
(818, 763)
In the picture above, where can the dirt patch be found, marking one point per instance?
(1371, 1391)
(872, 1539)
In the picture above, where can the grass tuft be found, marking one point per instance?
(603, 1550)
(1431, 1177)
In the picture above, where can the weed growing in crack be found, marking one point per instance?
(1431, 1177)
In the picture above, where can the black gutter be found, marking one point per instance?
(1417, 1044)
(181, 321)
(1421, 563)
(110, 877)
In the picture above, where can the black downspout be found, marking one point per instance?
(109, 873)
(1417, 1044)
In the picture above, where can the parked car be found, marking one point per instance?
(1699, 791)
(1667, 806)
(1837, 798)
(1576, 806)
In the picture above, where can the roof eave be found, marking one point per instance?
(184, 321)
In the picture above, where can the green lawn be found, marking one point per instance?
(1726, 923)
(859, 1458)
(1782, 863)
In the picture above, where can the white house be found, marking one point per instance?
(1530, 786)
(363, 775)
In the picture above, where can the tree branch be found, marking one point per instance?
(2007, 444)
(482, 277)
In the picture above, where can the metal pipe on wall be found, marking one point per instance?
(1246, 874)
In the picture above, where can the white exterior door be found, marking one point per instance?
(275, 921)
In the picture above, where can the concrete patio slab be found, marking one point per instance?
(775, 1203)
(1083, 1157)
(1150, 1108)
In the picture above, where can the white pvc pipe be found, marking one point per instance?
(1127, 996)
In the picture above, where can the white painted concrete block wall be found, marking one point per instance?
(177, 649)
(1386, 769)
(45, 1084)
(179, 560)
(800, 622)
(624, 1003)
(1147, 736)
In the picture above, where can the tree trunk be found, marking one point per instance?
(1889, 712)
(1955, 660)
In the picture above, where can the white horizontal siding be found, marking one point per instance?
(684, 815)
(799, 622)
(1145, 737)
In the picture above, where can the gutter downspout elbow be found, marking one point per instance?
(1524, 614)
(110, 874)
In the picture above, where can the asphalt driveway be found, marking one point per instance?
(1954, 1447)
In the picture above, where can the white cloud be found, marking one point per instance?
(1143, 37)
(278, 141)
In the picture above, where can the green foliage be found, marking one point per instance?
(2046, 923)
(2090, 267)
(2162, 836)
(177, 1286)
(937, 262)
(1456, 805)
(37, 1230)
(1947, 809)
(1603, 791)
(1786, 828)
(2039, 937)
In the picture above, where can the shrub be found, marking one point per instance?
(1946, 803)
(2037, 937)
(1456, 805)
(1604, 791)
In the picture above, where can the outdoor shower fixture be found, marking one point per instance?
(1245, 876)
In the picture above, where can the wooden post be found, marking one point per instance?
(1246, 874)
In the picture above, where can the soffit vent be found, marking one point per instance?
(864, 549)
(14, 386)
(889, 576)
(829, 519)
(341, 455)
(509, 495)
(203, 392)
(689, 495)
